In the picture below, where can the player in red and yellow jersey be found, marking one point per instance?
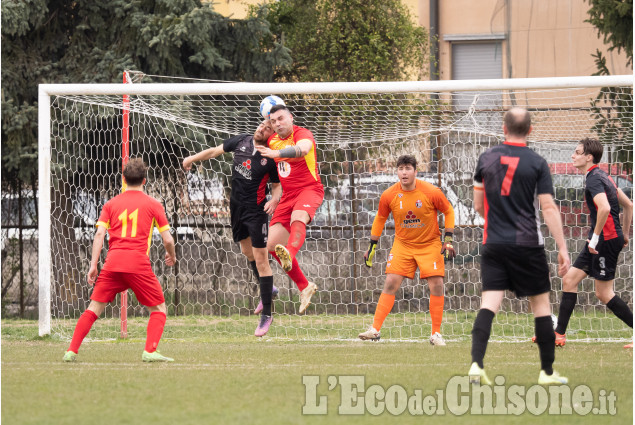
(414, 205)
(129, 219)
(294, 150)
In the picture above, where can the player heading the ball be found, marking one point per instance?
(295, 152)
(249, 208)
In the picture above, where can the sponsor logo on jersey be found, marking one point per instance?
(411, 221)
(242, 148)
(244, 169)
(284, 169)
(263, 162)
(418, 204)
(400, 195)
(389, 257)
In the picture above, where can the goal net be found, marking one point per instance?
(360, 130)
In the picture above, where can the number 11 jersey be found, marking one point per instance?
(130, 219)
(512, 176)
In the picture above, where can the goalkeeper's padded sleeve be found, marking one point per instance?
(370, 253)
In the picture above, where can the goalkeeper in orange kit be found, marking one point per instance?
(414, 205)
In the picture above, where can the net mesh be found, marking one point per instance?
(359, 137)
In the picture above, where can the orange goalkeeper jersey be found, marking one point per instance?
(415, 212)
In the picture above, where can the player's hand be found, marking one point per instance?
(169, 260)
(271, 205)
(564, 263)
(591, 250)
(187, 163)
(266, 152)
(92, 275)
(370, 253)
(593, 243)
(626, 241)
(448, 248)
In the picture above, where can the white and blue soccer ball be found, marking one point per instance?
(268, 103)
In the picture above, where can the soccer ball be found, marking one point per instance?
(554, 319)
(268, 103)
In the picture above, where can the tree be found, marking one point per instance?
(347, 40)
(614, 20)
(84, 41)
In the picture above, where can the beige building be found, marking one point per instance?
(503, 38)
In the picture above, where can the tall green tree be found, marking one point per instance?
(347, 40)
(85, 41)
(614, 22)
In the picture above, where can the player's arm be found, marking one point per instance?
(604, 209)
(276, 194)
(551, 213)
(627, 215)
(170, 251)
(301, 148)
(98, 243)
(479, 199)
(378, 227)
(202, 156)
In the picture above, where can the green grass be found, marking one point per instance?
(228, 378)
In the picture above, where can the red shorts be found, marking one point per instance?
(404, 259)
(145, 286)
(308, 200)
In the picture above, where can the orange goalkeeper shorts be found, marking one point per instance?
(404, 259)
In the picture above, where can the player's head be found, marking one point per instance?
(281, 120)
(407, 170)
(591, 147)
(263, 132)
(135, 172)
(517, 123)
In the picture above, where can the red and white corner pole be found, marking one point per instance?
(125, 154)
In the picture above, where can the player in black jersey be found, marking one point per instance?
(511, 183)
(607, 237)
(249, 207)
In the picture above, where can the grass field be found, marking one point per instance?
(232, 379)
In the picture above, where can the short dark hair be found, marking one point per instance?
(593, 147)
(517, 121)
(277, 108)
(135, 171)
(407, 160)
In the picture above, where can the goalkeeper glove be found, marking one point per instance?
(368, 257)
(448, 249)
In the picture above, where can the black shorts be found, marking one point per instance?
(249, 222)
(521, 269)
(600, 266)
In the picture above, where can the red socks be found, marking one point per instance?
(82, 328)
(295, 273)
(155, 330)
(296, 238)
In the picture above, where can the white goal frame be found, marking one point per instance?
(46, 91)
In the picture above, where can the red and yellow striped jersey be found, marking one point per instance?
(415, 212)
(130, 219)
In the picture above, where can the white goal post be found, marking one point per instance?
(360, 129)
